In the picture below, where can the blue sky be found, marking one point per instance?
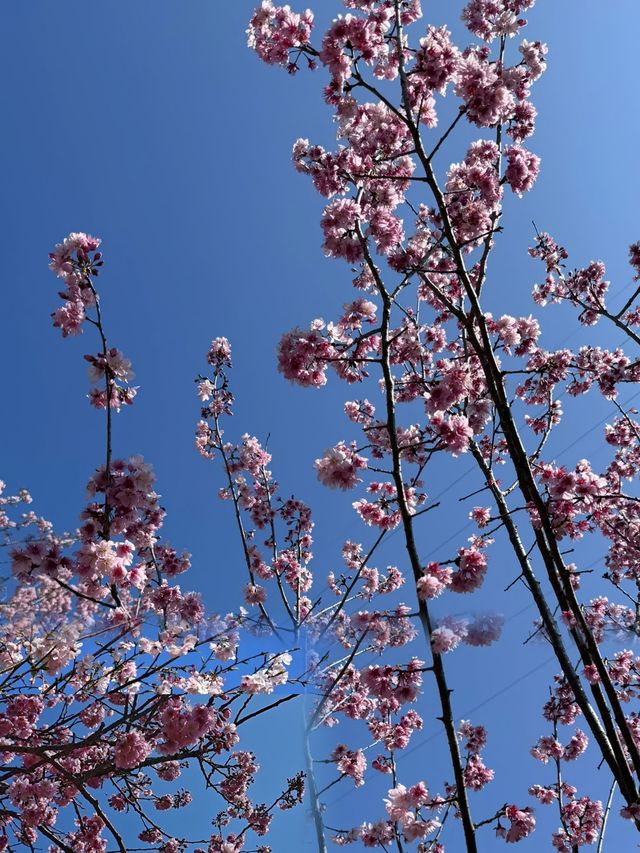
(153, 126)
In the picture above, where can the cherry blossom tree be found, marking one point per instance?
(117, 685)
(122, 699)
(450, 378)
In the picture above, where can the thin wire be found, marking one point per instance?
(482, 704)
(595, 426)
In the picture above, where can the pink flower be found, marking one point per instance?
(591, 673)
(219, 354)
(115, 362)
(382, 511)
(338, 468)
(485, 91)
(434, 581)
(576, 746)
(265, 681)
(471, 571)
(69, 318)
(473, 192)
(437, 58)
(78, 243)
(356, 313)
(490, 19)
(131, 750)
(476, 775)
(475, 737)
(581, 821)
(168, 770)
(339, 223)
(546, 796)
(522, 169)
(547, 748)
(275, 31)
(351, 763)
(402, 801)
(88, 838)
(533, 54)
(252, 457)
(561, 707)
(454, 431)
(481, 515)
(386, 230)
(522, 823)
(452, 388)
(71, 261)
(444, 639)
(522, 122)
(365, 36)
(303, 357)
(182, 726)
(93, 715)
(107, 559)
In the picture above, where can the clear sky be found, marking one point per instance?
(152, 125)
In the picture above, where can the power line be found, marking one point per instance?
(484, 702)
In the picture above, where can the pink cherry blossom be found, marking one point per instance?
(338, 468)
(303, 357)
(131, 750)
(522, 823)
(522, 169)
(275, 31)
(435, 580)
